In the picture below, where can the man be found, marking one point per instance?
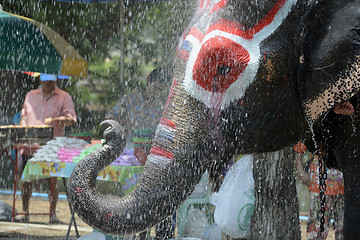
(51, 106)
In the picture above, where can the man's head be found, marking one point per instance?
(48, 82)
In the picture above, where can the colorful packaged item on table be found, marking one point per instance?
(127, 158)
(142, 139)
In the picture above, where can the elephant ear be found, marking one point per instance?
(330, 64)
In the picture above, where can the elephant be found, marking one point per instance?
(249, 77)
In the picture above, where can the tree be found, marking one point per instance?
(276, 213)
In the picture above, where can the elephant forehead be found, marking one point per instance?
(223, 61)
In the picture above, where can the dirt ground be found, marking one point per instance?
(39, 227)
(39, 224)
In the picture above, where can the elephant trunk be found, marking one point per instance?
(164, 184)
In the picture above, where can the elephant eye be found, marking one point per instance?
(222, 70)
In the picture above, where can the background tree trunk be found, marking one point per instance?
(276, 213)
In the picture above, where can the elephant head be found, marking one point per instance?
(249, 76)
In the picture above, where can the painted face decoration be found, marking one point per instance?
(224, 61)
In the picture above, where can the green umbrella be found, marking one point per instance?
(27, 45)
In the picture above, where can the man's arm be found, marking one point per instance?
(23, 111)
(62, 121)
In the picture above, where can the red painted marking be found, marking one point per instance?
(207, 3)
(171, 95)
(217, 53)
(218, 5)
(222, 53)
(167, 122)
(269, 17)
(184, 55)
(196, 33)
(161, 152)
(201, 4)
(238, 29)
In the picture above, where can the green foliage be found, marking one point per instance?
(150, 33)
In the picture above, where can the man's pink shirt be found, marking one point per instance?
(37, 109)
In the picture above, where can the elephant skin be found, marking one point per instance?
(249, 77)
